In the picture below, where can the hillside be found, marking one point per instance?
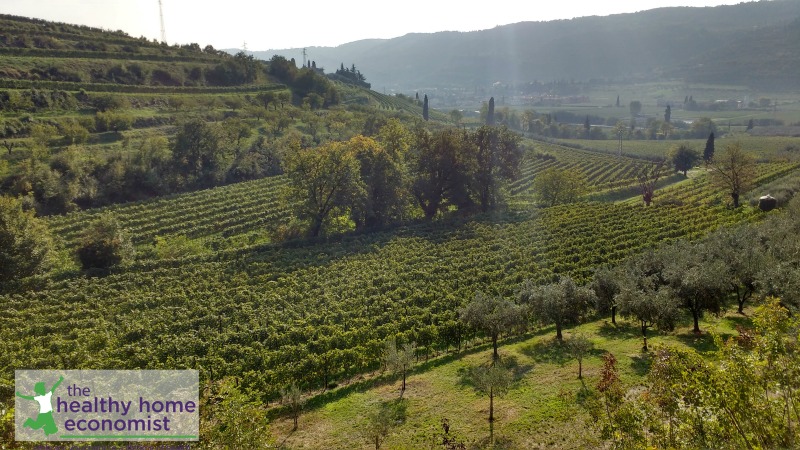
(665, 42)
(280, 231)
(37, 50)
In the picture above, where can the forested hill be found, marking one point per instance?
(681, 42)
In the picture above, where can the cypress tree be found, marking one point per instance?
(425, 108)
(667, 114)
(708, 153)
(490, 114)
(617, 101)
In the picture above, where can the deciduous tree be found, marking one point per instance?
(198, 154)
(648, 178)
(440, 168)
(323, 180)
(683, 158)
(25, 243)
(383, 177)
(555, 185)
(702, 127)
(456, 116)
(105, 244)
(733, 170)
(498, 155)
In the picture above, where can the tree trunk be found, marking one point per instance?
(295, 423)
(316, 227)
(742, 298)
(614, 314)
(491, 405)
(495, 355)
(696, 318)
(580, 369)
(735, 197)
(403, 389)
(644, 337)
(558, 332)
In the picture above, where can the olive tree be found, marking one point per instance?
(492, 316)
(558, 303)
(399, 360)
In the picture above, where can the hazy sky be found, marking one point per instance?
(270, 24)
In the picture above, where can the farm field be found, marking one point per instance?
(772, 147)
(314, 311)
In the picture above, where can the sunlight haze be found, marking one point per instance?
(278, 25)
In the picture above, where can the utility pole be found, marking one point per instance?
(161, 15)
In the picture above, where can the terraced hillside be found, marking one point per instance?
(36, 51)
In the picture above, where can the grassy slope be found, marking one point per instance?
(542, 409)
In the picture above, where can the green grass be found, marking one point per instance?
(542, 410)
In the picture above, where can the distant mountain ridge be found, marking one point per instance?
(752, 43)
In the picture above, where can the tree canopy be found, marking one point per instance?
(25, 242)
(322, 181)
(559, 303)
(554, 186)
(105, 244)
(683, 158)
(492, 316)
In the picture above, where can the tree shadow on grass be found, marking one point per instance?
(703, 342)
(622, 330)
(519, 370)
(511, 363)
(500, 442)
(740, 320)
(641, 363)
(364, 383)
(547, 351)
